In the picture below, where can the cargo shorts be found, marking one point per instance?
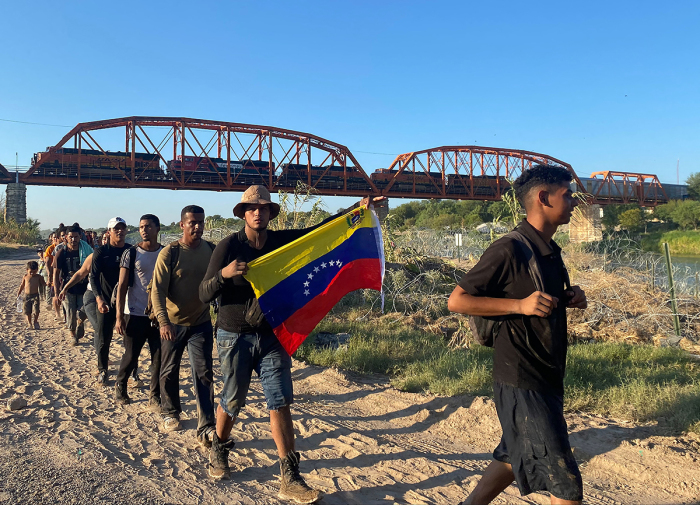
(242, 353)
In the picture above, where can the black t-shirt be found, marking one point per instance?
(104, 274)
(68, 263)
(237, 294)
(530, 351)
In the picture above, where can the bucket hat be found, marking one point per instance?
(257, 195)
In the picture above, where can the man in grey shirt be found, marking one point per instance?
(136, 272)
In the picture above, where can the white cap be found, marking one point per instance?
(115, 221)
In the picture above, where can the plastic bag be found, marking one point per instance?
(20, 305)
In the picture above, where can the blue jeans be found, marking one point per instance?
(199, 341)
(239, 355)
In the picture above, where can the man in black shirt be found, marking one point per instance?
(530, 346)
(104, 276)
(67, 264)
(245, 340)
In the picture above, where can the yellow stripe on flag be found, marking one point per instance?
(268, 270)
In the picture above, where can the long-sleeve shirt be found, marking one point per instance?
(236, 294)
(104, 274)
(174, 296)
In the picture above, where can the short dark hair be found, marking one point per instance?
(74, 229)
(191, 209)
(538, 176)
(32, 265)
(60, 229)
(151, 217)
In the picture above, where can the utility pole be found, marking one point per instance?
(678, 174)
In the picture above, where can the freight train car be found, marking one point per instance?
(98, 165)
(329, 177)
(214, 170)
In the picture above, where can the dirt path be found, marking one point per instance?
(362, 442)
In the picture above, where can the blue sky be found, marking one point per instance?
(600, 85)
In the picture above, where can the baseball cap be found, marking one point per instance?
(115, 221)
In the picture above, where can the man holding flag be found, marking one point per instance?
(261, 336)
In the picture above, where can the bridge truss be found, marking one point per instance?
(184, 153)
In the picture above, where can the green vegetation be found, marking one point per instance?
(681, 243)
(441, 214)
(636, 382)
(26, 233)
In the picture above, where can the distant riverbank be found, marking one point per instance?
(680, 243)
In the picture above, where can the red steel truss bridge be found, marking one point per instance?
(184, 153)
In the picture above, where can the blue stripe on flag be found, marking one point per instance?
(286, 297)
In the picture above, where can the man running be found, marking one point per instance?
(60, 244)
(531, 343)
(246, 342)
(104, 277)
(67, 264)
(185, 323)
(137, 267)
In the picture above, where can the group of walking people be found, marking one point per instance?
(161, 295)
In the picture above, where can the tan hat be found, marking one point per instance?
(256, 195)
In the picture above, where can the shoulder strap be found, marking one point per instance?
(533, 266)
(132, 264)
(174, 255)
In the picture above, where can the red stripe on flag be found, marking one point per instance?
(359, 274)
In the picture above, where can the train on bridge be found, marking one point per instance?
(186, 153)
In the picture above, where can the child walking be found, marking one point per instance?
(32, 283)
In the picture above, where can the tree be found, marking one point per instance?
(693, 182)
(611, 214)
(632, 220)
(687, 214)
(665, 212)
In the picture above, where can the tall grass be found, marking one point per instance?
(26, 233)
(635, 382)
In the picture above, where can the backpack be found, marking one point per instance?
(174, 257)
(132, 274)
(485, 329)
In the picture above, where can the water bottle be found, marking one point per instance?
(20, 305)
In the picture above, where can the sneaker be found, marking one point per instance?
(102, 378)
(171, 423)
(120, 395)
(154, 403)
(293, 487)
(205, 438)
(218, 458)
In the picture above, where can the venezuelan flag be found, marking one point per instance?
(296, 285)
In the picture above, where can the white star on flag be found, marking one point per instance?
(306, 292)
(338, 264)
(331, 262)
(311, 276)
(323, 265)
(316, 269)
(306, 284)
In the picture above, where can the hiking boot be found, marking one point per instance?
(154, 403)
(120, 395)
(205, 438)
(218, 458)
(171, 423)
(102, 378)
(293, 487)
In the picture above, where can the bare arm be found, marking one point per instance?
(537, 304)
(21, 287)
(122, 287)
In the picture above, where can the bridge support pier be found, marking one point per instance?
(382, 209)
(16, 202)
(586, 224)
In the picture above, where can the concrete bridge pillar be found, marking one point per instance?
(586, 224)
(382, 209)
(16, 202)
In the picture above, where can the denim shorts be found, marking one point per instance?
(239, 355)
(536, 443)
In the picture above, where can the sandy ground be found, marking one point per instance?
(362, 442)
